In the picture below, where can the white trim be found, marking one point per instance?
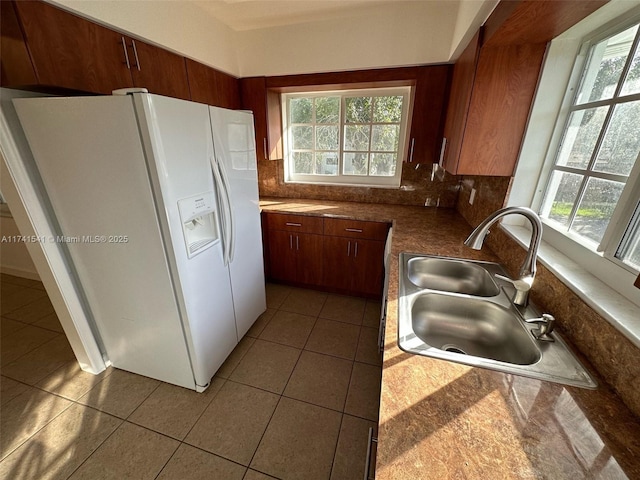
(619, 311)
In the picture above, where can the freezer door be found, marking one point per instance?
(233, 138)
(90, 157)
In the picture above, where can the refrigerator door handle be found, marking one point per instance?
(222, 210)
(232, 225)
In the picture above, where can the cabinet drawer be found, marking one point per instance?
(355, 228)
(294, 223)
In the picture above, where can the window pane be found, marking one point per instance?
(580, 137)
(605, 66)
(303, 162)
(356, 137)
(355, 163)
(358, 109)
(327, 138)
(387, 109)
(383, 164)
(561, 195)
(629, 251)
(327, 163)
(596, 207)
(385, 138)
(621, 143)
(328, 110)
(302, 137)
(301, 110)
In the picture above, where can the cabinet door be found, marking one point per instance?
(368, 267)
(337, 263)
(158, 70)
(208, 85)
(70, 52)
(282, 258)
(265, 105)
(428, 118)
(15, 64)
(309, 259)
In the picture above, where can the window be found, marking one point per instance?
(593, 189)
(353, 137)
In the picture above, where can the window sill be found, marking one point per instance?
(620, 312)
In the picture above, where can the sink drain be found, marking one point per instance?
(453, 349)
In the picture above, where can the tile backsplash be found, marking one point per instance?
(416, 188)
(610, 352)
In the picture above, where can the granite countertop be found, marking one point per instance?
(442, 420)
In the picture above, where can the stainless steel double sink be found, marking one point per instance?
(458, 310)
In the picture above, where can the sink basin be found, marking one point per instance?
(457, 310)
(451, 276)
(472, 327)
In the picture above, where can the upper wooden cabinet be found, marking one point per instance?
(210, 86)
(265, 105)
(15, 64)
(72, 53)
(491, 95)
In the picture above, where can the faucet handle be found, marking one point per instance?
(522, 286)
(547, 324)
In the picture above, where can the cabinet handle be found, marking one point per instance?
(349, 249)
(135, 53)
(367, 468)
(290, 224)
(356, 230)
(413, 143)
(355, 254)
(442, 150)
(264, 146)
(297, 242)
(126, 54)
(290, 242)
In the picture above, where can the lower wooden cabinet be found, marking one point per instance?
(295, 257)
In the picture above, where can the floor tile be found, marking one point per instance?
(25, 414)
(7, 288)
(33, 311)
(276, 294)
(131, 452)
(61, 446)
(50, 322)
(234, 422)
(71, 382)
(23, 341)
(299, 442)
(8, 326)
(120, 393)
(372, 314)
(10, 388)
(266, 365)
(24, 296)
(189, 463)
(24, 282)
(253, 475)
(262, 321)
(41, 361)
(173, 410)
(288, 328)
(344, 309)
(368, 350)
(334, 338)
(363, 399)
(320, 379)
(351, 452)
(234, 358)
(306, 302)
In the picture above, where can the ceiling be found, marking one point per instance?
(242, 15)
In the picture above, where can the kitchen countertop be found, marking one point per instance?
(442, 420)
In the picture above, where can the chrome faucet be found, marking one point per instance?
(528, 269)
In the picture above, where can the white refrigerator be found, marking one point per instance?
(157, 200)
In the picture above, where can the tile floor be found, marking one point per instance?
(294, 400)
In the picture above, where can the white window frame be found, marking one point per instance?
(342, 179)
(560, 76)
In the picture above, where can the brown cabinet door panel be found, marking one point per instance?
(210, 86)
(15, 62)
(368, 267)
(253, 93)
(338, 268)
(70, 52)
(309, 259)
(282, 258)
(158, 70)
(355, 228)
(295, 223)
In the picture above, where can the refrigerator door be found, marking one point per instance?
(89, 154)
(177, 141)
(235, 157)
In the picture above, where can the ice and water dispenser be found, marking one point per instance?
(199, 222)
